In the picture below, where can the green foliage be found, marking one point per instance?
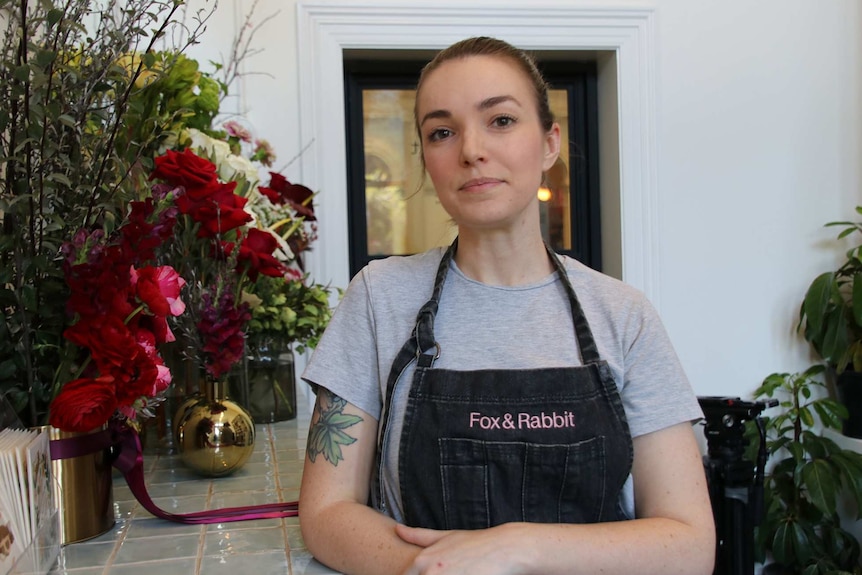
(171, 94)
(801, 527)
(291, 311)
(831, 312)
(77, 79)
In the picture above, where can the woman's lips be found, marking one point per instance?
(479, 184)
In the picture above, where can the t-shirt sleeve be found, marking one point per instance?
(345, 360)
(656, 393)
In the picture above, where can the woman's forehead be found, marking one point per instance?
(473, 79)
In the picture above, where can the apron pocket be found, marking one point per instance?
(487, 483)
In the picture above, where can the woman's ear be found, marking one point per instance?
(552, 147)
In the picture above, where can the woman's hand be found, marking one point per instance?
(494, 551)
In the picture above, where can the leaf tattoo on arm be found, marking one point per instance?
(327, 434)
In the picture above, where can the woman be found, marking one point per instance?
(493, 407)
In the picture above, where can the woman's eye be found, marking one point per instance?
(438, 134)
(503, 121)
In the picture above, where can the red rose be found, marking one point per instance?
(84, 404)
(280, 191)
(217, 219)
(255, 255)
(184, 169)
(216, 207)
(140, 236)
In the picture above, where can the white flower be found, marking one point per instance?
(238, 168)
(282, 253)
(230, 166)
(220, 151)
(200, 141)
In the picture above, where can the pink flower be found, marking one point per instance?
(159, 289)
(263, 153)
(147, 341)
(236, 130)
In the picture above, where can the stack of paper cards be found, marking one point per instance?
(26, 498)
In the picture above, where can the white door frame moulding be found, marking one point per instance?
(325, 28)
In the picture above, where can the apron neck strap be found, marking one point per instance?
(586, 343)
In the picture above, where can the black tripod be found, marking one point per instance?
(735, 483)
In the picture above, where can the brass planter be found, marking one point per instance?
(83, 491)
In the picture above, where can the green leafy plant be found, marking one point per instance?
(831, 313)
(801, 527)
(292, 311)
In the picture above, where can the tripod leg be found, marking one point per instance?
(736, 533)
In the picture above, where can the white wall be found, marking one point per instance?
(760, 131)
(759, 139)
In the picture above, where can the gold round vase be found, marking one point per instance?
(213, 435)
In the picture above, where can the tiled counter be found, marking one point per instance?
(140, 544)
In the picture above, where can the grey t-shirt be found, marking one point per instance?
(480, 326)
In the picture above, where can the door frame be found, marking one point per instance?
(325, 28)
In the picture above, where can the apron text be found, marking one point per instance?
(523, 420)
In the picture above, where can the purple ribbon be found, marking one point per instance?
(129, 460)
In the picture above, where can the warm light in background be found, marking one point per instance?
(544, 194)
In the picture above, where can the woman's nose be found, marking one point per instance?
(472, 147)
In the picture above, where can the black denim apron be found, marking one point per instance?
(485, 447)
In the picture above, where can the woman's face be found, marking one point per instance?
(483, 143)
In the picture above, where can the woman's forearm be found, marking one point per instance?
(355, 539)
(645, 546)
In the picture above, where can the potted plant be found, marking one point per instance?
(831, 321)
(801, 528)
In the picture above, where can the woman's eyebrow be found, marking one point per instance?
(435, 114)
(495, 100)
(485, 104)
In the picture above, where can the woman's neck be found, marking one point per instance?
(502, 259)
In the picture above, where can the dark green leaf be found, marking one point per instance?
(821, 485)
(817, 299)
(7, 369)
(797, 451)
(849, 466)
(22, 73)
(814, 444)
(791, 544)
(834, 341)
(857, 298)
(54, 15)
(45, 58)
(806, 417)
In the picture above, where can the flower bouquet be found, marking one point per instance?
(286, 309)
(73, 174)
(120, 231)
